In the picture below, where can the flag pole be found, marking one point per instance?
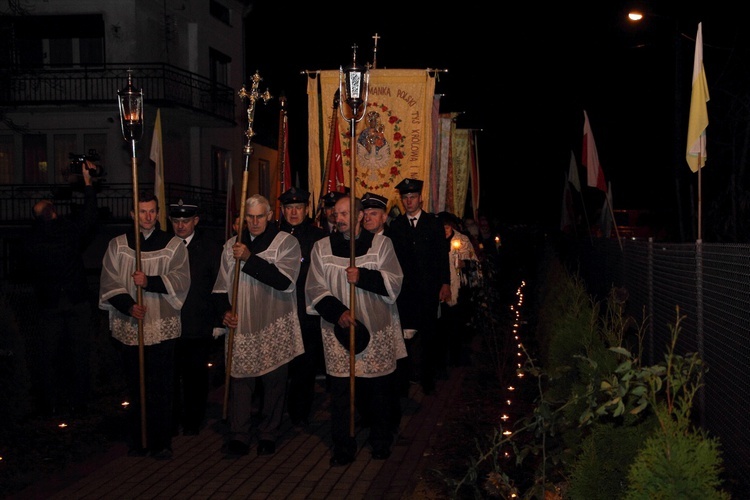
(324, 188)
(353, 89)
(248, 152)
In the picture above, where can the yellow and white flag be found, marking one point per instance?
(696, 139)
(157, 156)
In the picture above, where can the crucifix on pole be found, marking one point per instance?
(376, 37)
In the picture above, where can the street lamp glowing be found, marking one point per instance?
(635, 15)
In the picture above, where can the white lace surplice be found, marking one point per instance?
(268, 334)
(327, 276)
(162, 321)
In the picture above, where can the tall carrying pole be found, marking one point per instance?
(353, 88)
(130, 103)
(248, 152)
(282, 153)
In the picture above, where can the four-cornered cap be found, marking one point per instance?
(372, 200)
(294, 195)
(409, 186)
(361, 336)
(330, 199)
(182, 210)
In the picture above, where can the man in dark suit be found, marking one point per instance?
(419, 240)
(196, 343)
(304, 368)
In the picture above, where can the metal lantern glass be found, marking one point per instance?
(354, 82)
(131, 111)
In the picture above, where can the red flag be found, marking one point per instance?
(335, 181)
(474, 174)
(590, 157)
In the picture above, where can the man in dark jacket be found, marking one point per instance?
(55, 252)
(196, 343)
(419, 240)
(305, 367)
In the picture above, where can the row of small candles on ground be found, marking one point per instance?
(517, 322)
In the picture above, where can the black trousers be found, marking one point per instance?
(191, 382)
(159, 382)
(376, 406)
(302, 372)
(63, 364)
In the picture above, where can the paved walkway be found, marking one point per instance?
(298, 470)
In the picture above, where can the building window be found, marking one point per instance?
(6, 159)
(220, 12)
(64, 144)
(219, 66)
(59, 40)
(221, 162)
(35, 166)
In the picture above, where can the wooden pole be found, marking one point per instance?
(139, 294)
(352, 286)
(235, 291)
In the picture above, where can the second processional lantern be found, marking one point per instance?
(354, 83)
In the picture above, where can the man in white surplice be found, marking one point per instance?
(377, 276)
(267, 332)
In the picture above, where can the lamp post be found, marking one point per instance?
(678, 152)
(130, 102)
(354, 82)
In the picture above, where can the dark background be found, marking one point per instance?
(523, 76)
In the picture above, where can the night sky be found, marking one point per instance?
(524, 77)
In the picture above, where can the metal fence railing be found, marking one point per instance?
(710, 283)
(114, 200)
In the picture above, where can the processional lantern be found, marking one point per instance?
(130, 102)
(131, 111)
(354, 82)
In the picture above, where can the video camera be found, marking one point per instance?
(77, 161)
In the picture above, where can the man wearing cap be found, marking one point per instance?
(376, 275)
(419, 239)
(196, 343)
(375, 216)
(304, 368)
(164, 279)
(267, 334)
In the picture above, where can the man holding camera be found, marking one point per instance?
(65, 302)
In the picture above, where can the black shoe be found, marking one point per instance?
(266, 447)
(300, 423)
(238, 448)
(137, 452)
(163, 454)
(381, 454)
(341, 459)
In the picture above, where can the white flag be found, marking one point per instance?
(157, 156)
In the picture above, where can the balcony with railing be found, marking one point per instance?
(87, 85)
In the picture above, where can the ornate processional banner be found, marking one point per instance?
(393, 141)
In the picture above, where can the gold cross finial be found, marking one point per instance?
(375, 51)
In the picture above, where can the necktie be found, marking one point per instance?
(413, 222)
(184, 241)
